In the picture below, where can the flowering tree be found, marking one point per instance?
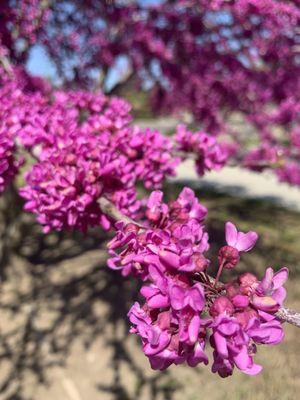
(85, 158)
(212, 58)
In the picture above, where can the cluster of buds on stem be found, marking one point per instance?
(184, 308)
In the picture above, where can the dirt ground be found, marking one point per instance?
(63, 327)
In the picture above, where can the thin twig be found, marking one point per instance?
(108, 208)
(289, 316)
(6, 65)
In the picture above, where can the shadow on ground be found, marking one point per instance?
(60, 302)
(58, 289)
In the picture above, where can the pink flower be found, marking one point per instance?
(167, 253)
(9, 164)
(239, 240)
(232, 347)
(270, 293)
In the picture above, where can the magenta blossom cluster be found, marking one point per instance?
(152, 155)
(64, 186)
(289, 173)
(184, 307)
(210, 155)
(85, 147)
(262, 157)
(217, 60)
(9, 164)
(175, 236)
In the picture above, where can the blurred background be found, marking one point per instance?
(64, 328)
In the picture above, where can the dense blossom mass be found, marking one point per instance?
(86, 149)
(218, 60)
(213, 59)
(184, 308)
(210, 155)
(84, 146)
(8, 163)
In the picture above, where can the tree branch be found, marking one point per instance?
(108, 208)
(6, 64)
(283, 314)
(289, 316)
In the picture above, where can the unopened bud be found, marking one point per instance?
(220, 306)
(228, 256)
(200, 262)
(232, 289)
(153, 215)
(247, 281)
(131, 228)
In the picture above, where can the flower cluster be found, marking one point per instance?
(214, 67)
(85, 148)
(210, 155)
(64, 186)
(290, 173)
(185, 308)
(175, 237)
(9, 164)
(152, 155)
(262, 157)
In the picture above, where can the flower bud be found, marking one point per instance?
(131, 228)
(153, 214)
(240, 301)
(200, 262)
(247, 281)
(245, 316)
(220, 306)
(229, 256)
(232, 289)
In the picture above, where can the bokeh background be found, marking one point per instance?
(63, 325)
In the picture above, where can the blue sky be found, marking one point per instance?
(40, 64)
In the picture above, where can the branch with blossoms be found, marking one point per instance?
(189, 59)
(88, 162)
(284, 314)
(185, 308)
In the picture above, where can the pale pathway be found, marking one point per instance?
(244, 183)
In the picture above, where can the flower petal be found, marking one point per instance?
(280, 277)
(246, 241)
(231, 234)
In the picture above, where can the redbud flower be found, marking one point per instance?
(222, 305)
(239, 240)
(9, 164)
(173, 322)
